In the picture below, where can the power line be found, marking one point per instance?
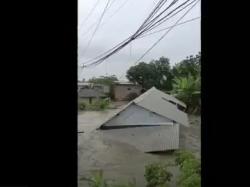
(115, 12)
(124, 41)
(165, 18)
(166, 33)
(90, 13)
(96, 28)
(129, 38)
(148, 23)
(181, 23)
(110, 50)
(157, 8)
(152, 21)
(135, 35)
(170, 28)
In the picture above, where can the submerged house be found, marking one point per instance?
(89, 95)
(150, 122)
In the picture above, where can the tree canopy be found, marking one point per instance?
(156, 73)
(189, 66)
(107, 80)
(183, 79)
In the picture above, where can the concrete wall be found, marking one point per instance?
(136, 115)
(121, 92)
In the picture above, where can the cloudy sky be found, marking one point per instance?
(121, 20)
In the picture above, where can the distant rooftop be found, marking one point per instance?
(83, 83)
(87, 93)
(124, 82)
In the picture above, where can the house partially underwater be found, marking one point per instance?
(151, 122)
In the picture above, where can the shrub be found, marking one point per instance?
(183, 156)
(193, 180)
(103, 104)
(190, 170)
(82, 106)
(187, 89)
(97, 180)
(156, 174)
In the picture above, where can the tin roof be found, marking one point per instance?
(87, 93)
(155, 93)
(83, 83)
(158, 102)
(125, 83)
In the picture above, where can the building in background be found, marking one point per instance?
(90, 95)
(102, 88)
(123, 91)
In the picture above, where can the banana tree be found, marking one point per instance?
(187, 89)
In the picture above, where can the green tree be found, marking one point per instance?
(191, 65)
(187, 89)
(107, 80)
(156, 73)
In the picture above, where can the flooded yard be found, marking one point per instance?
(121, 162)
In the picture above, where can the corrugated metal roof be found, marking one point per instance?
(84, 83)
(86, 93)
(126, 83)
(153, 100)
(135, 115)
(153, 91)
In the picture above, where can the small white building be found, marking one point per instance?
(150, 122)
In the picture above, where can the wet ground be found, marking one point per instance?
(121, 162)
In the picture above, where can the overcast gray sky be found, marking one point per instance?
(182, 41)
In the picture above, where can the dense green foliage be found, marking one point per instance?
(82, 106)
(182, 80)
(156, 73)
(187, 82)
(97, 180)
(100, 104)
(106, 80)
(190, 66)
(157, 175)
(187, 89)
(190, 170)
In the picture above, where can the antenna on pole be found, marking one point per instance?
(106, 64)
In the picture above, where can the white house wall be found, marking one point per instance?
(136, 115)
(147, 139)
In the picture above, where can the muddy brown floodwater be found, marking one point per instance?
(121, 162)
